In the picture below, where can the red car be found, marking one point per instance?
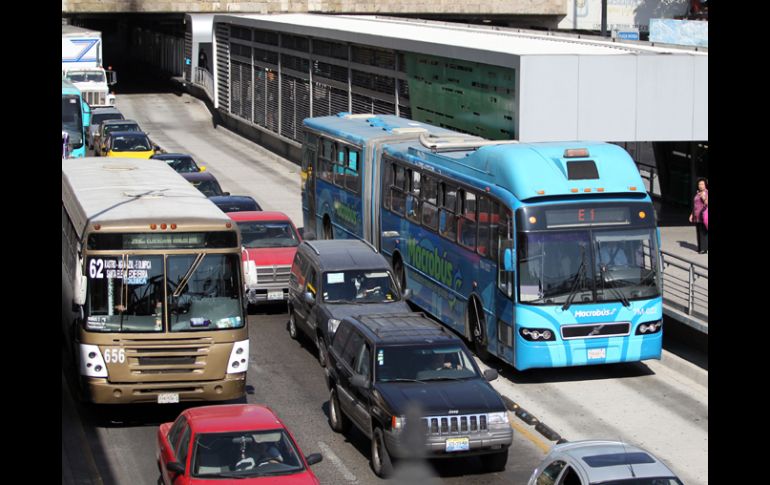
(271, 240)
(247, 443)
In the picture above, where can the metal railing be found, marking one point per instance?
(204, 79)
(685, 285)
(649, 175)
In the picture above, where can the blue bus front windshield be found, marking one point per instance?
(595, 265)
(72, 119)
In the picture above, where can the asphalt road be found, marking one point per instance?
(648, 404)
(284, 374)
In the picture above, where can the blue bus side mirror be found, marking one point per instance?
(508, 259)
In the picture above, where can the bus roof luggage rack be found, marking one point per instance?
(458, 143)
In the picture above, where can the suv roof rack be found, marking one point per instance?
(412, 324)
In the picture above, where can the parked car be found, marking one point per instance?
(595, 461)
(333, 279)
(180, 162)
(107, 127)
(99, 115)
(246, 442)
(235, 203)
(382, 368)
(129, 144)
(270, 240)
(205, 182)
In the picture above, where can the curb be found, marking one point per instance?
(681, 366)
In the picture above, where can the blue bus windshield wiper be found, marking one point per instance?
(578, 278)
(611, 283)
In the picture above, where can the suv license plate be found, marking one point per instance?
(597, 354)
(168, 398)
(275, 295)
(458, 444)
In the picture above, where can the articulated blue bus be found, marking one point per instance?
(543, 254)
(75, 118)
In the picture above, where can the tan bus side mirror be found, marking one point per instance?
(80, 286)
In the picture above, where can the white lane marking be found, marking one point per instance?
(328, 453)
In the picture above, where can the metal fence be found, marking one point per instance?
(686, 286)
(205, 79)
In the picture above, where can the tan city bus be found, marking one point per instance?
(151, 285)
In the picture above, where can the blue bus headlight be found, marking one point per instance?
(537, 334)
(649, 328)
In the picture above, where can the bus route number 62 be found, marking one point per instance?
(114, 355)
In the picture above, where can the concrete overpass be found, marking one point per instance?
(521, 13)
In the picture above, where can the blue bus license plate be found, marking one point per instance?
(457, 444)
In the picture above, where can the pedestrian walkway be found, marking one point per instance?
(680, 247)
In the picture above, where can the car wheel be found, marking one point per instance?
(322, 353)
(495, 462)
(381, 463)
(337, 419)
(292, 325)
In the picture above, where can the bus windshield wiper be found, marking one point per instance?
(611, 283)
(578, 278)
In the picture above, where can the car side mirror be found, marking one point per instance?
(359, 380)
(176, 467)
(490, 374)
(407, 293)
(225, 193)
(308, 297)
(203, 168)
(314, 458)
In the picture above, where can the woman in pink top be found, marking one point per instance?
(700, 204)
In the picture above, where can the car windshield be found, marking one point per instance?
(359, 286)
(86, 76)
(588, 266)
(99, 117)
(244, 454)
(423, 363)
(268, 234)
(642, 481)
(126, 293)
(131, 144)
(72, 119)
(182, 164)
(209, 188)
(120, 127)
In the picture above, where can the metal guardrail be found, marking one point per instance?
(685, 285)
(205, 79)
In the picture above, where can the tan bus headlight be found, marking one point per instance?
(239, 358)
(91, 361)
